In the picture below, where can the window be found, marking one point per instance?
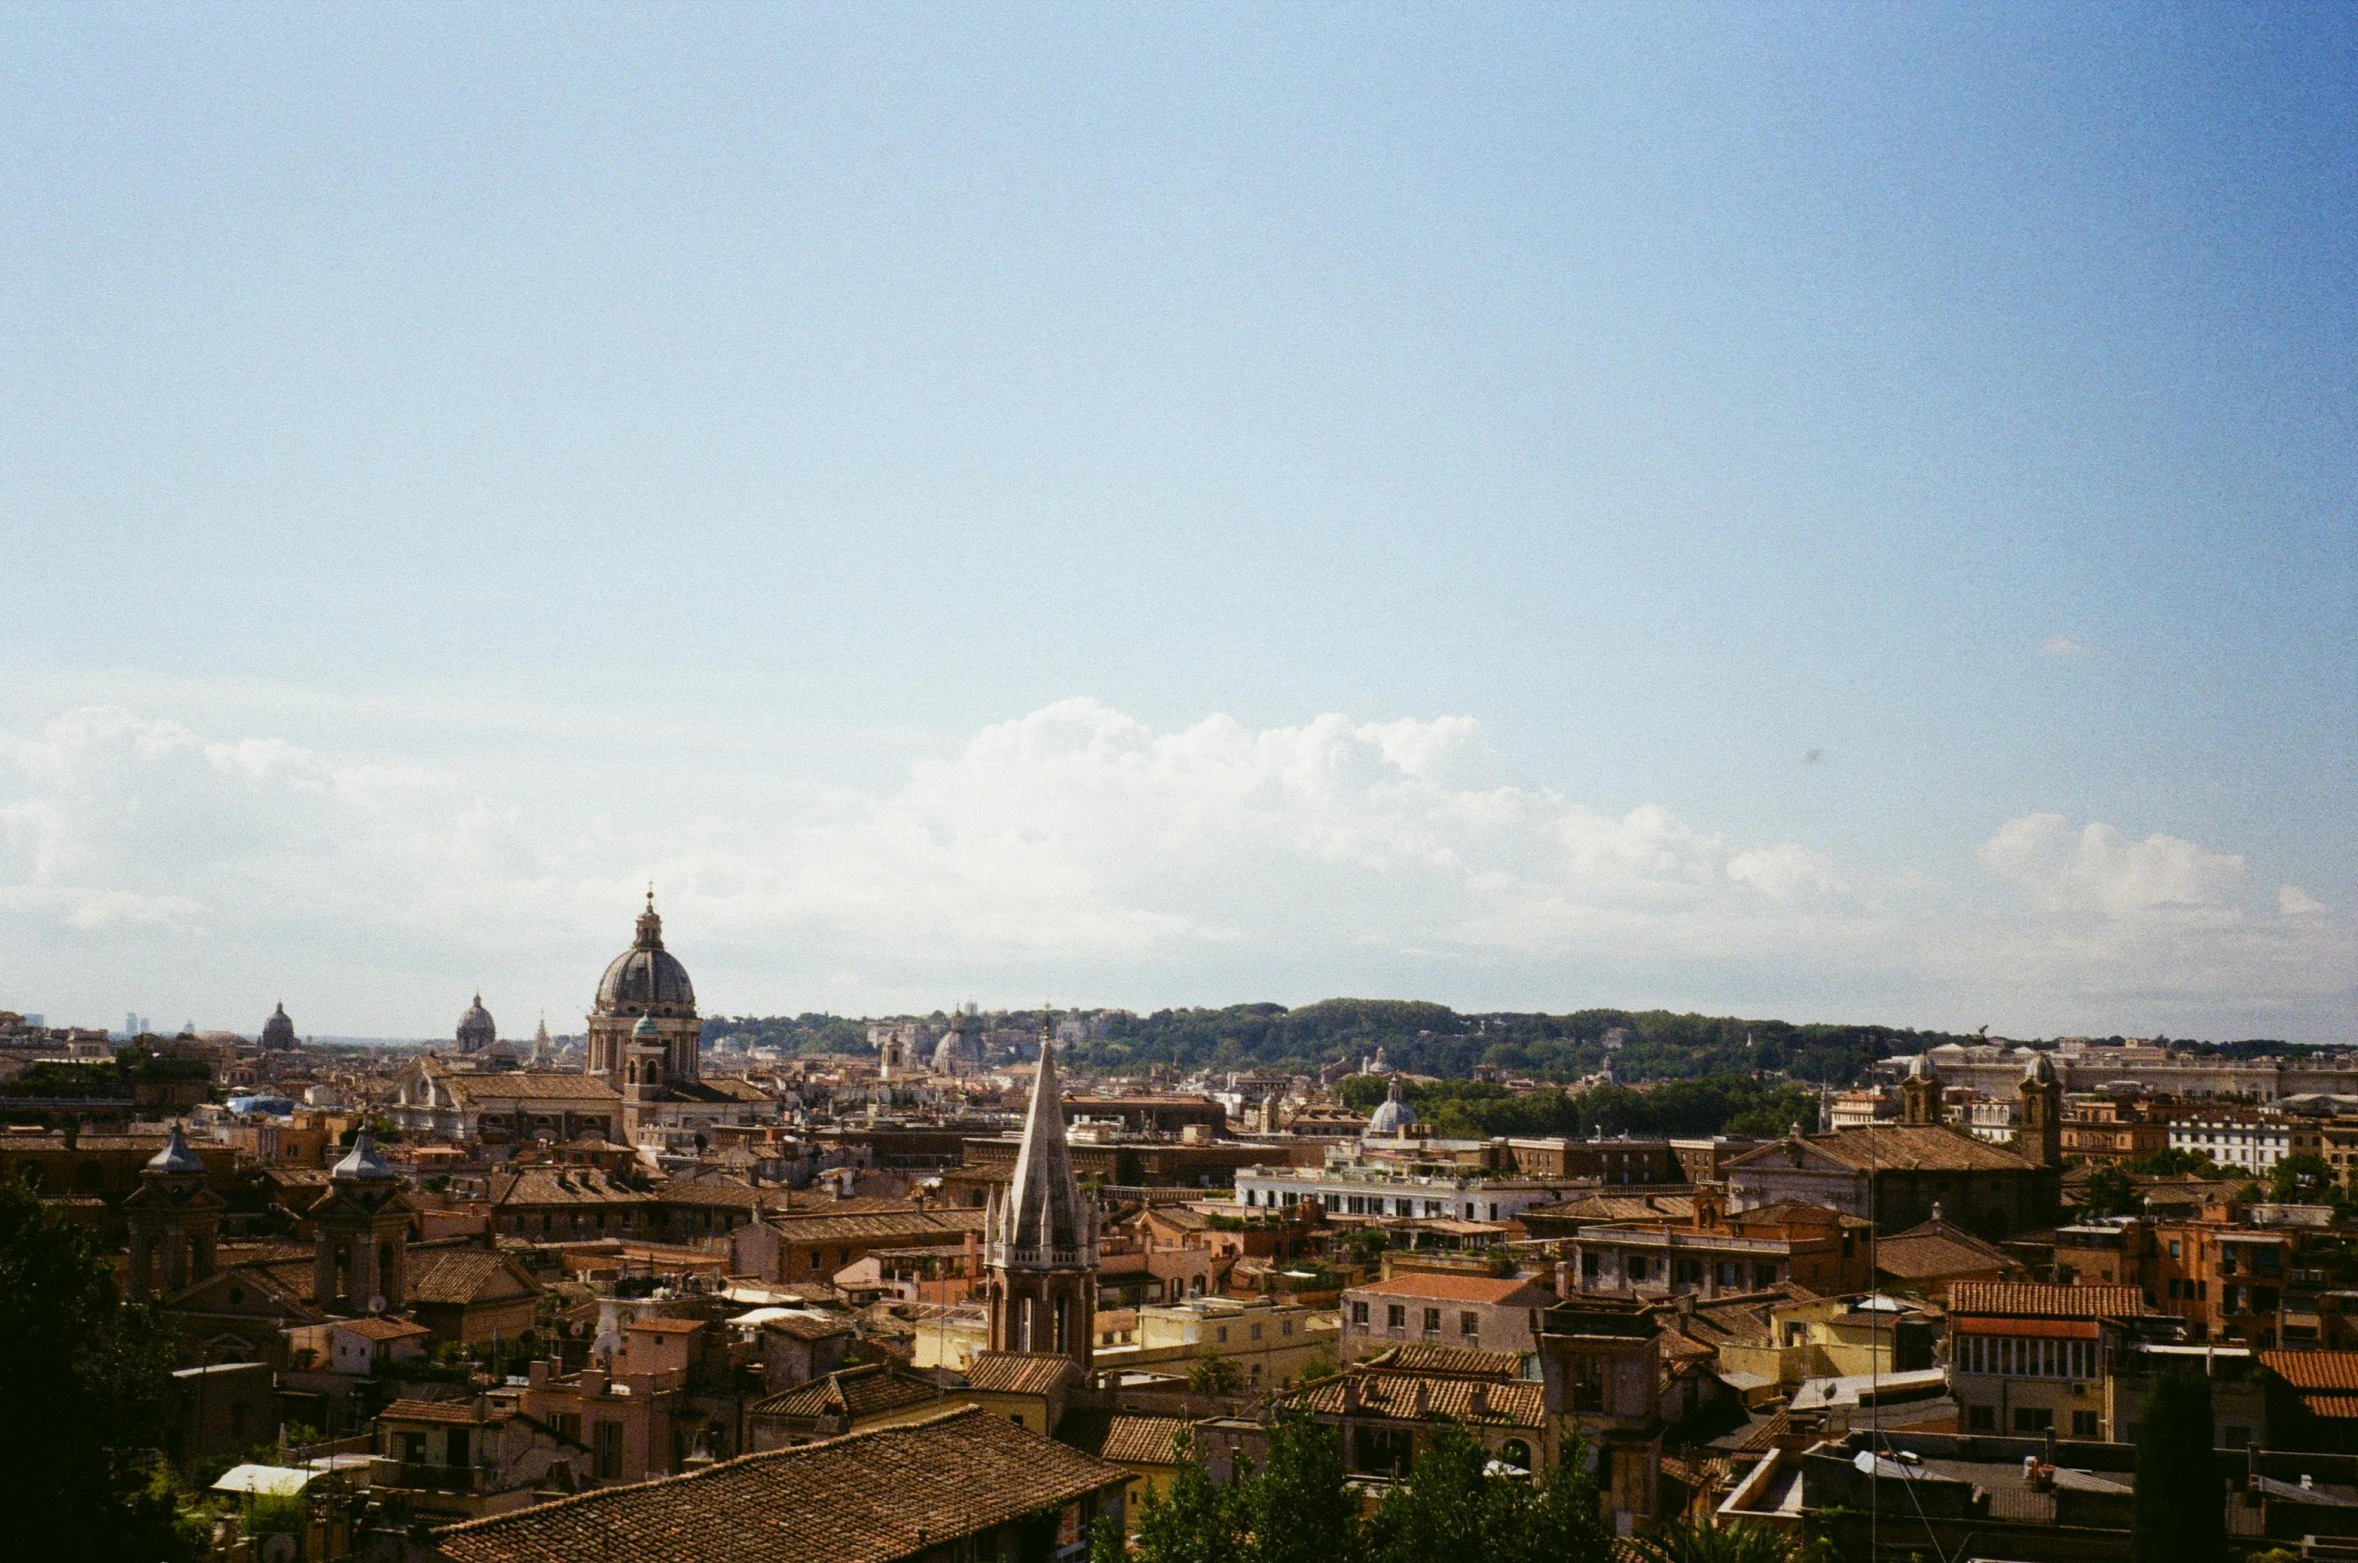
(1636, 1267)
(1359, 1313)
(1764, 1276)
(1396, 1316)
(1256, 1332)
(1981, 1419)
(609, 1451)
(412, 1448)
(1252, 1196)
(1588, 1266)
(2237, 1437)
(2086, 1424)
(1588, 1384)
(1432, 1321)
(1687, 1272)
(2175, 1252)
(2033, 1419)
(1223, 1334)
(1469, 1325)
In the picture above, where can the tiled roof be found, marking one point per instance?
(466, 1275)
(1887, 1147)
(865, 1391)
(2336, 1370)
(710, 1191)
(2056, 1302)
(519, 1086)
(945, 1227)
(1018, 1372)
(539, 1185)
(1413, 1397)
(1143, 1440)
(870, 1497)
(466, 1413)
(1446, 1361)
(1509, 1291)
(1936, 1249)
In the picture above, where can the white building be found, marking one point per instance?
(2247, 1144)
(1367, 1189)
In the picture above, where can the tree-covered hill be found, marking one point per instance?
(1432, 1039)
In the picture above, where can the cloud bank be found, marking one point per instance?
(1077, 853)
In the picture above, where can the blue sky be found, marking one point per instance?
(913, 481)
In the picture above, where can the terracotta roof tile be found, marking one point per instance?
(1509, 1291)
(1019, 1373)
(2059, 1302)
(1124, 1438)
(2337, 1370)
(869, 1497)
(1447, 1361)
(868, 1390)
(1414, 1397)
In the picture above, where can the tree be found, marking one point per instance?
(2302, 1179)
(2178, 1516)
(1450, 1507)
(2110, 1192)
(84, 1381)
(1300, 1506)
(1684, 1541)
(2172, 1160)
(1195, 1522)
(1212, 1375)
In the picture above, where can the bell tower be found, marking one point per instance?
(1920, 1093)
(174, 1219)
(2041, 1136)
(1041, 1237)
(363, 1247)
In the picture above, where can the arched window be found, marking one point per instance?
(1516, 1453)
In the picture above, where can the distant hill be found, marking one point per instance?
(1431, 1039)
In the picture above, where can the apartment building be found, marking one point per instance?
(2027, 1359)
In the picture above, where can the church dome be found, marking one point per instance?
(278, 1032)
(175, 1157)
(1393, 1115)
(646, 978)
(2040, 1072)
(476, 1029)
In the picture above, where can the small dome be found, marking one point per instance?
(278, 1031)
(363, 1162)
(1393, 1115)
(646, 1029)
(2040, 1072)
(476, 1029)
(175, 1156)
(1920, 1068)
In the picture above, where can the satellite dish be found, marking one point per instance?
(376, 1305)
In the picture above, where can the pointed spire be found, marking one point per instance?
(1045, 1223)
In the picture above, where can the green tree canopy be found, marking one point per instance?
(83, 1385)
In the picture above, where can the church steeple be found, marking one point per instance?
(1042, 1236)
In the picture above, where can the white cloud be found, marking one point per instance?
(1072, 851)
(2293, 901)
(2100, 869)
(2061, 646)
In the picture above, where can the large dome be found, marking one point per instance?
(1393, 1115)
(476, 1029)
(646, 977)
(278, 1031)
